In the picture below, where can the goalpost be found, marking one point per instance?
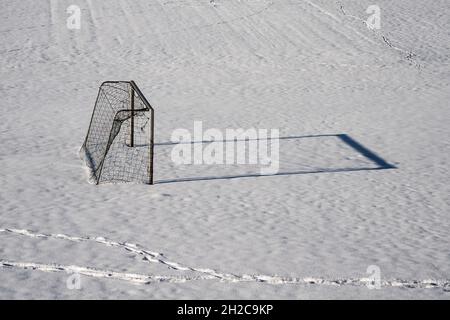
(120, 141)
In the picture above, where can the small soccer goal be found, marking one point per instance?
(119, 143)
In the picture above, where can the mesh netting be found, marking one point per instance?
(119, 143)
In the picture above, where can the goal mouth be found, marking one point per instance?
(119, 144)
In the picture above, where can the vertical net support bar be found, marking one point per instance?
(152, 131)
(132, 116)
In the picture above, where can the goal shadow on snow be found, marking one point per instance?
(319, 152)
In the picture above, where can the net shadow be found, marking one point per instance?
(363, 158)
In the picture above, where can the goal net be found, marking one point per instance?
(119, 143)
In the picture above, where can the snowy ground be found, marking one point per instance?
(310, 68)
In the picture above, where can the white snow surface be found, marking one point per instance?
(310, 68)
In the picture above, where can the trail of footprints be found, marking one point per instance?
(409, 55)
(203, 273)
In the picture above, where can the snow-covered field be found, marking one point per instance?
(310, 68)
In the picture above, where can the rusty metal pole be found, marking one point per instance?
(152, 145)
(132, 116)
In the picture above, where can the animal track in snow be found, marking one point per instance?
(408, 55)
(205, 273)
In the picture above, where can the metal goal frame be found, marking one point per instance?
(120, 106)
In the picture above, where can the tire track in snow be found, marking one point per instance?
(221, 22)
(206, 273)
(54, 23)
